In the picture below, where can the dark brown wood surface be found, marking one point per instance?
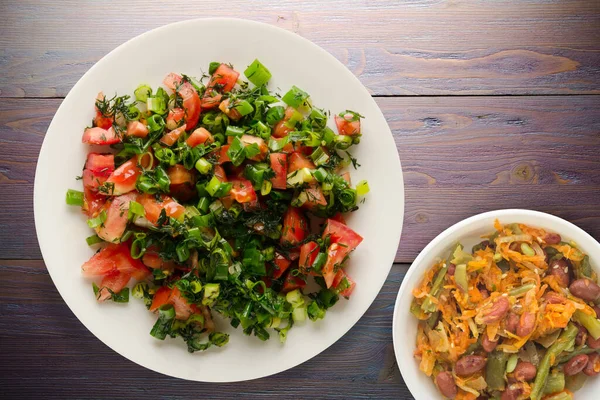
(492, 105)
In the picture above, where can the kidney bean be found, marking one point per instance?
(593, 365)
(575, 365)
(451, 269)
(581, 336)
(511, 323)
(585, 289)
(560, 270)
(512, 392)
(487, 344)
(526, 324)
(497, 311)
(515, 246)
(468, 365)
(445, 382)
(597, 310)
(525, 371)
(552, 238)
(554, 298)
(593, 343)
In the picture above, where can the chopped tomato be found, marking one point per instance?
(308, 253)
(164, 295)
(198, 137)
(92, 201)
(98, 168)
(231, 112)
(220, 173)
(170, 138)
(223, 156)
(339, 217)
(100, 136)
(295, 227)
(223, 79)
(191, 100)
(262, 146)
(292, 282)
(343, 240)
(182, 182)
(281, 129)
(115, 281)
(100, 120)
(279, 166)
(161, 297)
(346, 125)
(114, 257)
(298, 161)
(137, 129)
(314, 197)
(346, 176)
(116, 217)
(174, 118)
(153, 206)
(211, 99)
(153, 260)
(343, 283)
(242, 191)
(123, 179)
(281, 265)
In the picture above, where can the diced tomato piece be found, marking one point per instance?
(242, 191)
(92, 201)
(115, 281)
(343, 283)
(198, 137)
(224, 78)
(191, 100)
(343, 240)
(223, 156)
(116, 217)
(314, 197)
(153, 206)
(211, 99)
(232, 113)
(220, 173)
(98, 168)
(346, 126)
(153, 260)
(101, 263)
(298, 161)
(292, 282)
(171, 137)
(100, 136)
(281, 265)
(339, 217)
(164, 295)
(137, 129)
(281, 129)
(346, 176)
(295, 227)
(123, 179)
(176, 115)
(308, 253)
(161, 297)
(100, 120)
(279, 166)
(182, 182)
(262, 146)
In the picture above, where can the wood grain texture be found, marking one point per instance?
(53, 354)
(415, 47)
(460, 157)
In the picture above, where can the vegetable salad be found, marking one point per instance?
(201, 194)
(515, 318)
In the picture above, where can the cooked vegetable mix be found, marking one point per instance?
(515, 318)
(202, 200)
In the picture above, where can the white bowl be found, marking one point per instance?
(189, 47)
(468, 232)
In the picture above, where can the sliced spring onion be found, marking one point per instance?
(195, 286)
(295, 298)
(74, 197)
(203, 204)
(342, 142)
(299, 314)
(235, 130)
(276, 145)
(142, 93)
(203, 166)
(136, 209)
(299, 177)
(275, 114)
(257, 73)
(97, 221)
(156, 104)
(212, 67)
(139, 289)
(244, 107)
(92, 240)
(265, 188)
(362, 188)
(319, 156)
(295, 97)
(211, 293)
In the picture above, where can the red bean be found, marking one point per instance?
(597, 311)
(512, 392)
(560, 270)
(451, 269)
(526, 324)
(575, 365)
(445, 383)
(468, 365)
(487, 344)
(593, 365)
(581, 336)
(552, 238)
(512, 322)
(497, 311)
(525, 371)
(593, 343)
(554, 298)
(585, 289)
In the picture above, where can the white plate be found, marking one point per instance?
(189, 47)
(468, 232)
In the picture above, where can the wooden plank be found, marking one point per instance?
(419, 47)
(460, 156)
(45, 349)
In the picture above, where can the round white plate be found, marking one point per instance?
(189, 47)
(468, 232)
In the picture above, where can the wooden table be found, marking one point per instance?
(492, 105)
